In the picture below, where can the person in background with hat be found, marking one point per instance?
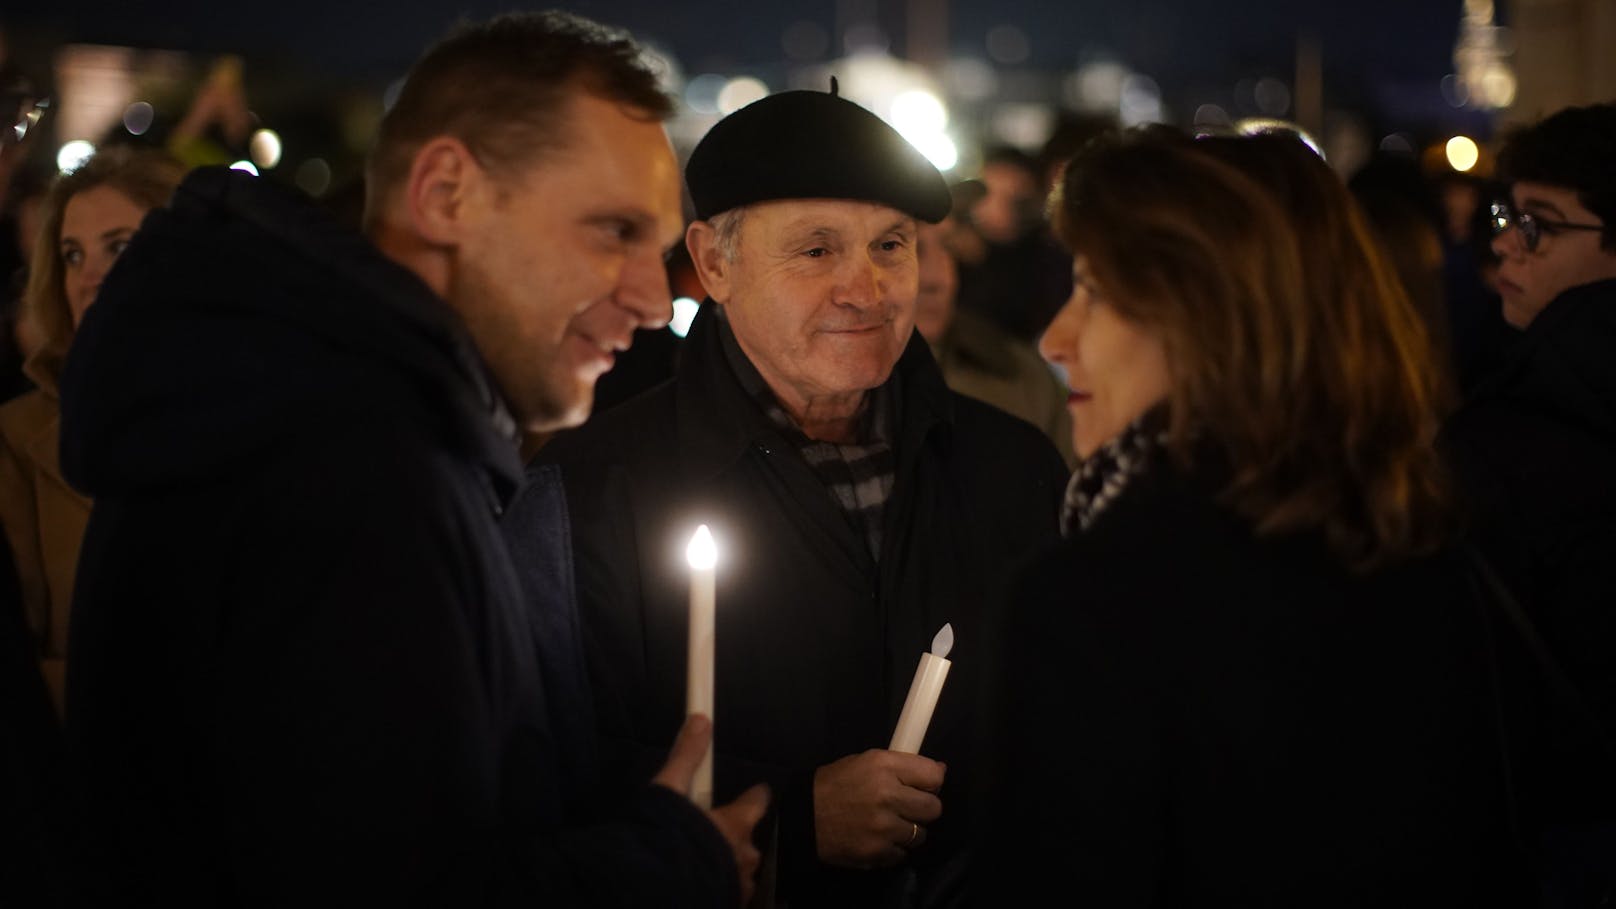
(859, 506)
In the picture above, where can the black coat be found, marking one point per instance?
(1188, 715)
(303, 670)
(816, 642)
(1536, 447)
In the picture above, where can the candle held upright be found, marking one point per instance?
(703, 557)
(923, 692)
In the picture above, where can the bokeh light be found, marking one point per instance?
(73, 154)
(1463, 153)
(265, 148)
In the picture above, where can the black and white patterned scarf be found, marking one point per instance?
(1102, 476)
(858, 475)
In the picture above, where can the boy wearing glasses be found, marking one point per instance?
(1535, 445)
(1554, 230)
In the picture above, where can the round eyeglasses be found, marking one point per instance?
(1532, 228)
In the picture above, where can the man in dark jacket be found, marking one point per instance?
(304, 670)
(1536, 444)
(859, 506)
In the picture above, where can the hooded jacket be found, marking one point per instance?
(303, 667)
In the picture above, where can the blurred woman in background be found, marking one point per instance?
(1254, 674)
(87, 218)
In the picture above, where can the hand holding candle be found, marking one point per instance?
(923, 692)
(703, 558)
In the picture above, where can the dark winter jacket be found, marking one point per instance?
(817, 641)
(304, 671)
(1186, 714)
(1536, 446)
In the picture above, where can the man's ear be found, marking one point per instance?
(441, 191)
(711, 265)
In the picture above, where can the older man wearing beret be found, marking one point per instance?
(859, 506)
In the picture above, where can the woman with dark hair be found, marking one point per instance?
(1254, 674)
(87, 218)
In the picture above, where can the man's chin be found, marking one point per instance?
(555, 414)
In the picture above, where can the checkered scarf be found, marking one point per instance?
(860, 475)
(1102, 476)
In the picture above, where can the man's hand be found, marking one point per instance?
(871, 809)
(734, 820)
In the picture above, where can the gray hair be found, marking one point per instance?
(726, 227)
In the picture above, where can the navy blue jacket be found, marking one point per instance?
(303, 669)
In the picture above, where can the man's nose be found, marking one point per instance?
(863, 284)
(643, 291)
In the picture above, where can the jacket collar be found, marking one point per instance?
(718, 421)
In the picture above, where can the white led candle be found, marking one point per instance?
(703, 558)
(923, 692)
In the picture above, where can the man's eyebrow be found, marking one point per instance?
(904, 224)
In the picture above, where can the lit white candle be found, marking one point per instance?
(923, 692)
(703, 557)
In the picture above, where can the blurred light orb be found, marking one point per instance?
(684, 312)
(1272, 96)
(1097, 85)
(918, 111)
(701, 93)
(865, 39)
(138, 117)
(1463, 153)
(1140, 101)
(938, 148)
(804, 40)
(1397, 144)
(1007, 44)
(1498, 86)
(1025, 126)
(245, 167)
(72, 155)
(1455, 92)
(739, 92)
(1211, 115)
(265, 148)
(970, 79)
(1479, 9)
(313, 177)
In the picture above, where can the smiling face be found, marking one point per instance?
(96, 226)
(565, 260)
(1529, 280)
(820, 295)
(1115, 368)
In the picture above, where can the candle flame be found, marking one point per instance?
(701, 552)
(944, 642)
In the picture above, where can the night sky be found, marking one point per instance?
(1172, 39)
(1383, 60)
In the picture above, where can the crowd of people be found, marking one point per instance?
(331, 577)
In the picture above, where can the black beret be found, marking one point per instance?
(811, 145)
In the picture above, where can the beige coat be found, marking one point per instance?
(44, 518)
(44, 522)
(981, 360)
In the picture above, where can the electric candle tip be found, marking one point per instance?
(701, 552)
(944, 642)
